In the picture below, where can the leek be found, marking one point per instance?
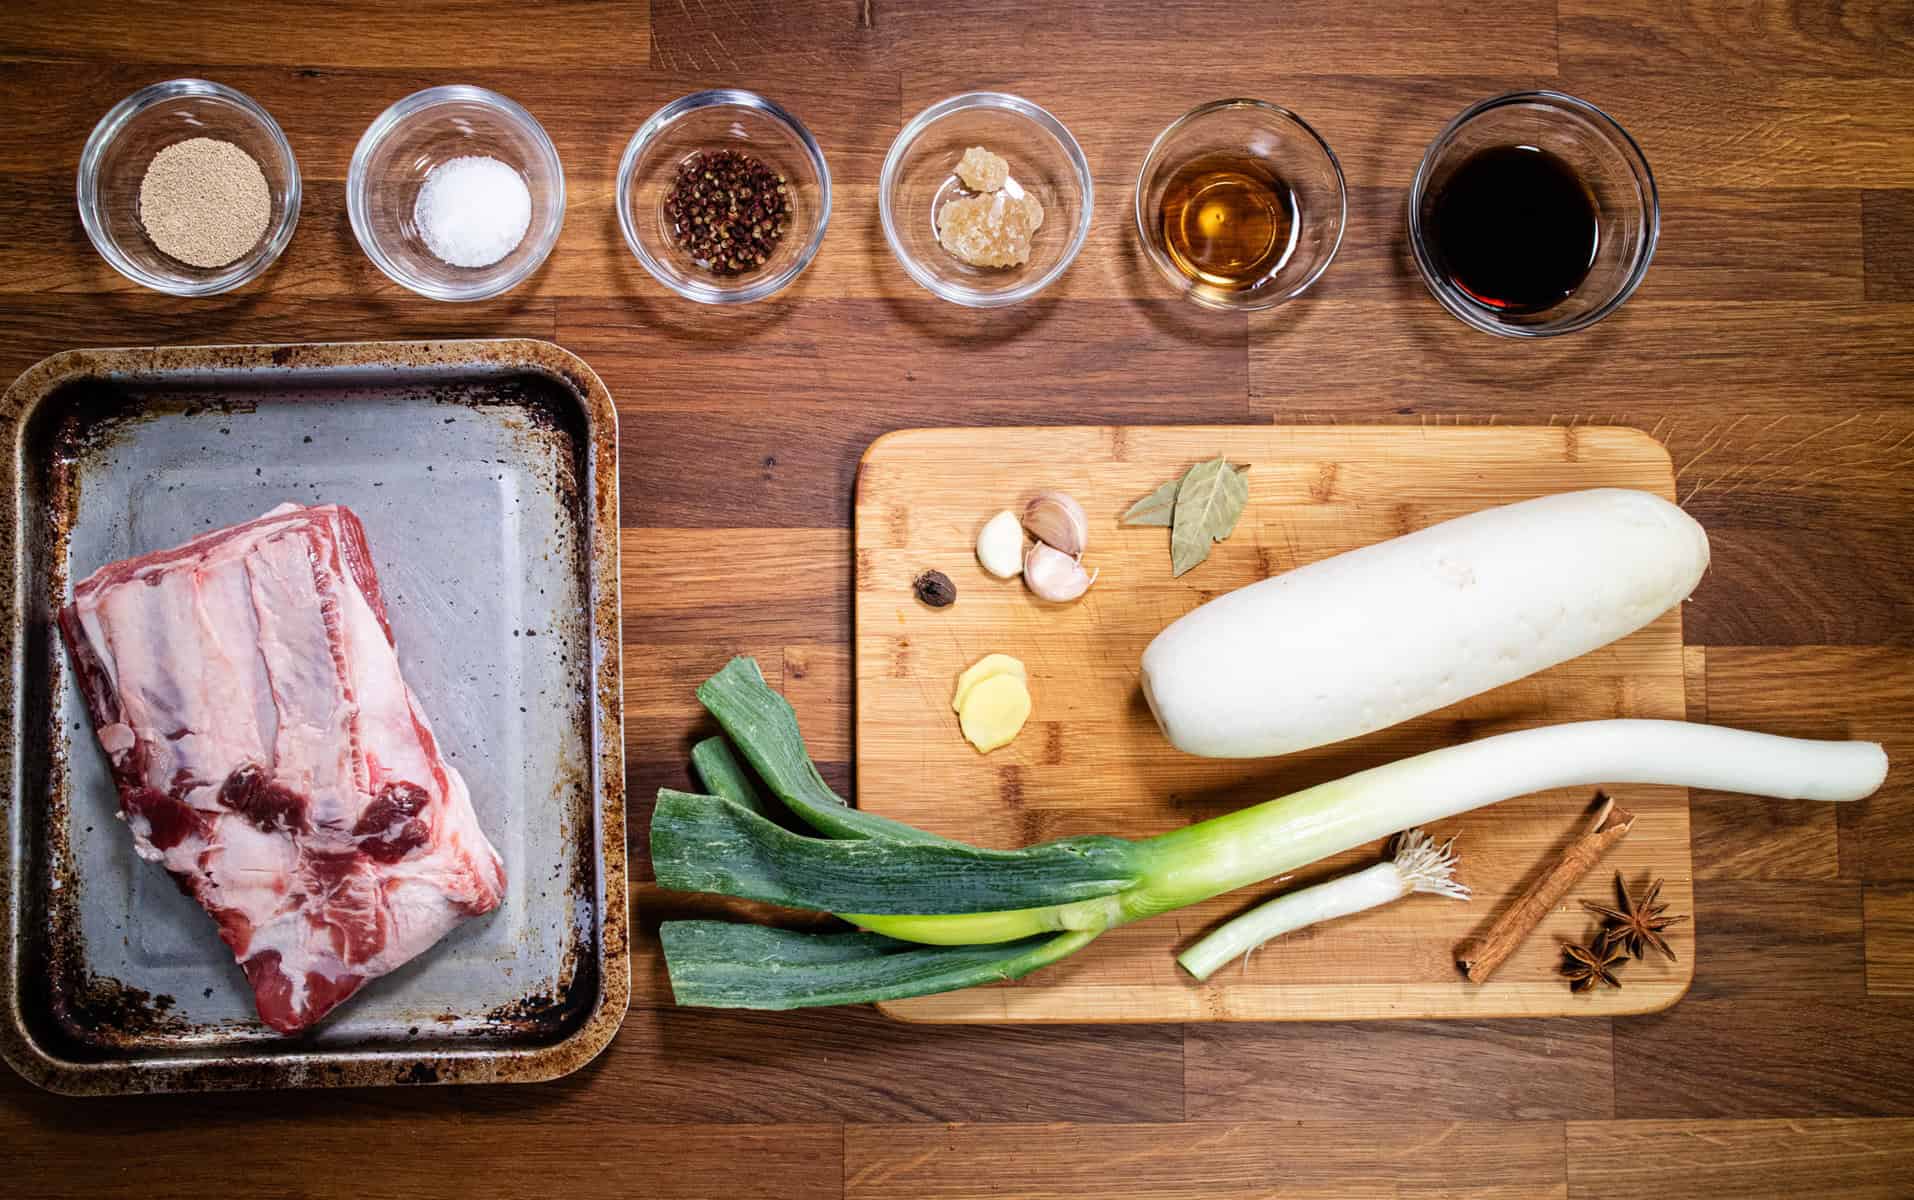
(710, 844)
(723, 775)
(1026, 908)
(717, 964)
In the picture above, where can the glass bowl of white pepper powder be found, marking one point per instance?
(188, 187)
(456, 192)
(724, 196)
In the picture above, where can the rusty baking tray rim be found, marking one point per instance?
(329, 1067)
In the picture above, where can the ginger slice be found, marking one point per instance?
(982, 669)
(994, 711)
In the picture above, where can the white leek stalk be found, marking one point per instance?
(1224, 853)
(1419, 866)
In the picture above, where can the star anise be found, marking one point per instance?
(1586, 966)
(1637, 924)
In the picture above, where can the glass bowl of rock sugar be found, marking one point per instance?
(456, 192)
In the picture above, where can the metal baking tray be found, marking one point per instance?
(486, 473)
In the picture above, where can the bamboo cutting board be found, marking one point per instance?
(1091, 760)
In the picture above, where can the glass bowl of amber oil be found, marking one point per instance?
(1533, 214)
(922, 190)
(1241, 205)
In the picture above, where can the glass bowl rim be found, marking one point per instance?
(1150, 161)
(966, 102)
(108, 129)
(1471, 315)
(357, 187)
(667, 116)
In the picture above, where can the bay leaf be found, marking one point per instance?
(1209, 502)
(1159, 507)
(1155, 508)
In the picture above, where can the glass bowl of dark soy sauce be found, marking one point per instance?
(1533, 214)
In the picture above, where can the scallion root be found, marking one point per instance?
(1419, 865)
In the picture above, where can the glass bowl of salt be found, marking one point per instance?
(456, 193)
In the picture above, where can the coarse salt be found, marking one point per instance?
(473, 211)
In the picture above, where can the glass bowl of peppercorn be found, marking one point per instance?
(724, 196)
(188, 187)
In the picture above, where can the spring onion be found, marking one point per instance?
(1419, 865)
(913, 886)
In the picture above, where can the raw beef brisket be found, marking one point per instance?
(270, 756)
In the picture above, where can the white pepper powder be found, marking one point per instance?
(204, 202)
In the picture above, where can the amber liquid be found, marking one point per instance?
(1515, 228)
(1228, 221)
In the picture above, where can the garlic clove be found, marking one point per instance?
(1053, 575)
(1058, 519)
(1000, 545)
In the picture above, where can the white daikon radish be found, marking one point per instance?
(1363, 640)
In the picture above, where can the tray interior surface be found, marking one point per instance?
(471, 485)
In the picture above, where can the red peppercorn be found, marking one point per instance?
(728, 210)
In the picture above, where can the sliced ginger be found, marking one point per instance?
(982, 669)
(994, 710)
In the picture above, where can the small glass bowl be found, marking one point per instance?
(400, 148)
(1609, 164)
(723, 118)
(122, 146)
(919, 176)
(1296, 154)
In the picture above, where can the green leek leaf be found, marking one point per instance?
(723, 775)
(717, 964)
(710, 844)
(765, 730)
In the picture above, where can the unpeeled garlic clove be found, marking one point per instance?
(1054, 575)
(1058, 519)
(1000, 545)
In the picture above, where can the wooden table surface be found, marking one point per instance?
(1771, 348)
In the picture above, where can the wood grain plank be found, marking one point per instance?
(757, 35)
(1890, 941)
(1813, 691)
(442, 33)
(559, 1143)
(1767, 1056)
(768, 587)
(1418, 37)
(1761, 938)
(1307, 1160)
(1859, 37)
(1672, 1160)
(783, 440)
(853, 1064)
(1514, 1071)
(1728, 127)
(53, 323)
(1887, 223)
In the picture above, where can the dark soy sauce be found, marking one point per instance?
(1515, 228)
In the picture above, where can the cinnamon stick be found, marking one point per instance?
(1478, 958)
